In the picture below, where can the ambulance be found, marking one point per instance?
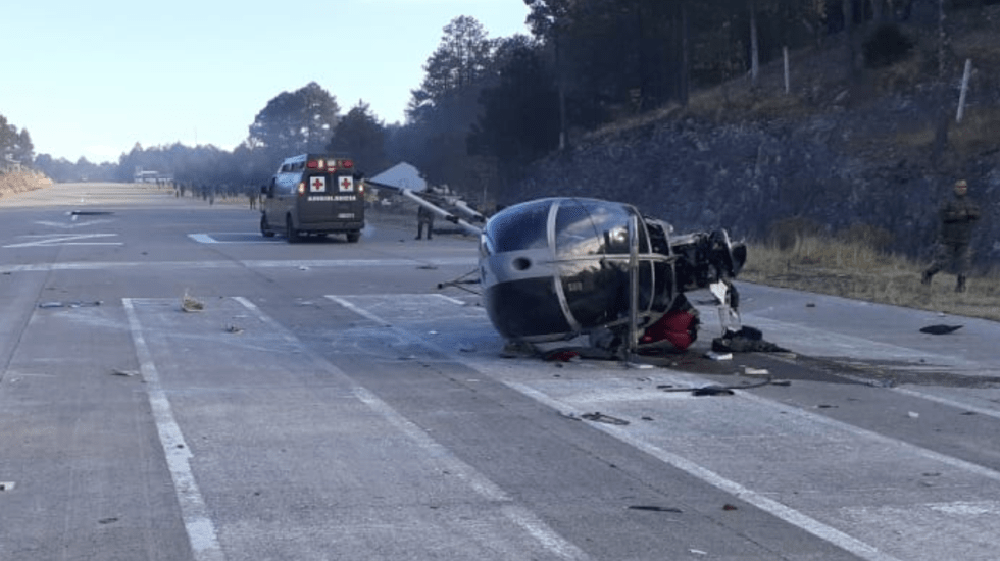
(313, 195)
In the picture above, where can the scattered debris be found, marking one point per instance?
(432, 332)
(427, 267)
(810, 305)
(108, 520)
(712, 390)
(6, 485)
(653, 508)
(120, 372)
(599, 417)
(825, 406)
(912, 414)
(748, 371)
(189, 304)
(70, 304)
(719, 390)
(698, 552)
(728, 506)
(718, 356)
(939, 329)
(235, 329)
(646, 418)
(303, 268)
(561, 355)
(745, 340)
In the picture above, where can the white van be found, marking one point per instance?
(313, 195)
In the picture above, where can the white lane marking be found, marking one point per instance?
(360, 311)
(782, 511)
(949, 402)
(65, 239)
(482, 485)
(211, 238)
(872, 435)
(815, 527)
(197, 523)
(253, 264)
(74, 224)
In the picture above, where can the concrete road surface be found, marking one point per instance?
(327, 400)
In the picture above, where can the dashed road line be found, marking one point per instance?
(64, 239)
(253, 264)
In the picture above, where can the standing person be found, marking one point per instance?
(957, 217)
(425, 216)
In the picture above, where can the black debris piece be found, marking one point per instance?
(654, 508)
(939, 329)
(746, 340)
(602, 418)
(712, 390)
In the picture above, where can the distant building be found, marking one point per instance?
(150, 176)
(9, 164)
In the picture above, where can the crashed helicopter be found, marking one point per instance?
(557, 268)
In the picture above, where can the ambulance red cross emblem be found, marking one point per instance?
(346, 184)
(318, 185)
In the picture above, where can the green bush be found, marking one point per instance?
(886, 46)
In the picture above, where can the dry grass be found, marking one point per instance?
(858, 271)
(21, 181)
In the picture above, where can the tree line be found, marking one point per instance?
(486, 108)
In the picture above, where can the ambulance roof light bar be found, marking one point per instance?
(331, 164)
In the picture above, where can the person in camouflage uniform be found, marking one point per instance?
(425, 216)
(957, 217)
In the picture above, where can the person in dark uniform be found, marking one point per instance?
(425, 216)
(957, 215)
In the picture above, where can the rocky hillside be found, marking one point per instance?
(869, 150)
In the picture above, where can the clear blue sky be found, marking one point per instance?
(91, 78)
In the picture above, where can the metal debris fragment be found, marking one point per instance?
(939, 329)
(712, 390)
(189, 304)
(654, 508)
(121, 372)
(599, 417)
